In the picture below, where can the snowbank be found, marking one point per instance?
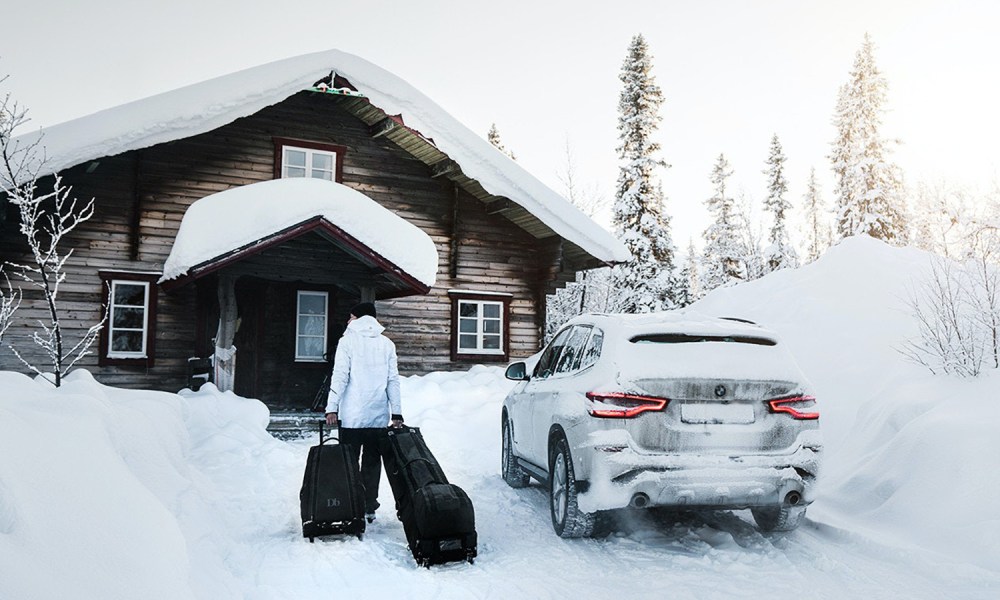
(204, 106)
(107, 493)
(229, 220)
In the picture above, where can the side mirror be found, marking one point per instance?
(517, 372)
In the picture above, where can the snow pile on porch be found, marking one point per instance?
(242, 216)
(207, 105)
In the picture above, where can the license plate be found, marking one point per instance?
(702, 413)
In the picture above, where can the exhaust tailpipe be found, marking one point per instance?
(639, 500)
(793, 498)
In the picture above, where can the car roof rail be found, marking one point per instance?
(739, 320)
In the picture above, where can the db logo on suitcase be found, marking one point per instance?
(332, 502)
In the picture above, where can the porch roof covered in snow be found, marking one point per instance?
(302, 230)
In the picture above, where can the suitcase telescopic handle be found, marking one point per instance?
(323, 441)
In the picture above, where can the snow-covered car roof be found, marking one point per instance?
(205, 106)
(230, 220)
(676, 321)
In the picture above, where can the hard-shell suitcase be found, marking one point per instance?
(332, 495)
(438, 517)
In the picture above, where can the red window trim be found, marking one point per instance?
(281, 142)
(102, 354)
(472, 356)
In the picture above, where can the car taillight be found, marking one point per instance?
(796, 406)
(619, 405)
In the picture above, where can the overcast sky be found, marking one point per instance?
(546, 72)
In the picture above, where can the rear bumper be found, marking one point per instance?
(617, 475)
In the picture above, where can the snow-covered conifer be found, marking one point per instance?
(869, 189)
(688, 285)
(645, 283)
(494, 138)
(817, 224)
(779, 254)
(723, 255)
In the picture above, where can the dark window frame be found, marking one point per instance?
(107, 277)
(339, 151)
(502, 299)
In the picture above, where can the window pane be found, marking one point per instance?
(467, 342)
(312, 325)
(491, 342)
(468, 309)
(295, 172)
(295, 158)
(310, 347)
(327, 175)
(130, 294)
(312, 304)
(128, 318)
(323, 161)
(593, 350)
(491, 311)
(467, 325)
(491, 326)
(126, 341)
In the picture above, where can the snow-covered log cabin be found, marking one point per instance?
(253, 210)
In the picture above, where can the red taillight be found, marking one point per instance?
(795, 406)
(619, 405)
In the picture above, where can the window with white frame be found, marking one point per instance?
(308, 162)
(128, 319)
(480, 327)
(310, 326)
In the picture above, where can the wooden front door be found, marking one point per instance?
(249, 338)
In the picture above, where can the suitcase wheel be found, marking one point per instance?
(312, 540)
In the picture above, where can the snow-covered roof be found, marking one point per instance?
(221, 223)
(205, 106)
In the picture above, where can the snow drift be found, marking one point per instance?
(107, 493)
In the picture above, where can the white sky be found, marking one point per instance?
(733, 72)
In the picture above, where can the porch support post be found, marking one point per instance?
(367, 293)
(225, 352)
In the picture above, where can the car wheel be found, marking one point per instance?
(512, 472)
(567, 518)
(778, 518)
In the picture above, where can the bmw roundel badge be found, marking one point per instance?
(720, 391)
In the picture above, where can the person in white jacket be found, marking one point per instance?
(364, 395)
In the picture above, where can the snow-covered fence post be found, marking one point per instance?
(225, 352)
(45, 221)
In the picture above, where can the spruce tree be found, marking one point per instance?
(780, 254)
(723, 256)
(869, 187)
(645, 283)
(493, 135)
(817, 227)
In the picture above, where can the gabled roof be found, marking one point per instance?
(205, 106)
(232, 225)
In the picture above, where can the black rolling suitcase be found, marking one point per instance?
(332, 499)
(438, 517)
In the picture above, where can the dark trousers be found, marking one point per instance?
(364, 444)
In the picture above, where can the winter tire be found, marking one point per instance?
(512, 473)
(778, 518)
(567, 518)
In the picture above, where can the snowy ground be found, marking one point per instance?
(113, 494)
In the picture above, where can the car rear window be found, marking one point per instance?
(687, 338)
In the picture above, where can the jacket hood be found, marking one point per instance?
(366, 326)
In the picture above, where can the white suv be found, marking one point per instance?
(671, 409)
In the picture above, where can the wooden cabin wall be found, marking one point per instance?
(153, 187)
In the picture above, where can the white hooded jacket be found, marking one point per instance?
(364, 387)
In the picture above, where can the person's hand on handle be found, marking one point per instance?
(397, 421)
(331, 419)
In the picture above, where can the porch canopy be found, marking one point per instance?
(302, 229)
